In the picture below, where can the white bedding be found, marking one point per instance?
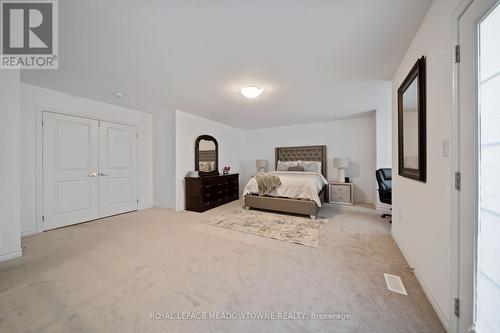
(294, 184)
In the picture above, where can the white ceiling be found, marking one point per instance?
(318, 60)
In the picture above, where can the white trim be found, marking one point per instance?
(39, 110)
(144, 206)
(455, 291)
(455, 167)
(160, 206)
(39, 169)
(440, 313)
(28, 233)
(11, 255)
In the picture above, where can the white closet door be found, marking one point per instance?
(118, 168)
(70, 164)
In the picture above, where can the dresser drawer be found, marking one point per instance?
(209, 185)
(341, 189)
(342, 198)
(341, 193)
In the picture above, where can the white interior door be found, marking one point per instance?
(118, 168)
(479, 164)
(70, 164)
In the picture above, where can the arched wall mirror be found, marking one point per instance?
(206, 154)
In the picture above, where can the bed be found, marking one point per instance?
(292, 205)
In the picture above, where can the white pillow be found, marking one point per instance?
(283, 166)
(311, 166)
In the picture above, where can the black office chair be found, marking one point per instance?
(384, 180)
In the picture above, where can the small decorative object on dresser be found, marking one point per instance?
(226, 169)
(193, 174)
(204, 193)
(341, 193)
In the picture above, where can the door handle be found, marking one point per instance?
(103, 174)
(92, 174)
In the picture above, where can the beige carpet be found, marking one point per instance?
(284, 227)
(109, 275)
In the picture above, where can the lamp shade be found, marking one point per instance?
(262, 164)
(341, 162)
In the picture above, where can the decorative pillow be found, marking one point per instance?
(283, 166)
(295, 168)
(310, 166)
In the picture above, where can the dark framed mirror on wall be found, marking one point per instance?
(206, 155)
(412, 138)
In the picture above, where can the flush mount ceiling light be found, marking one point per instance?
(118, 94)
(251, 90)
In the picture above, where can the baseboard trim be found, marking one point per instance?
(11, 255)
(145, 206)
(425, 288)
(28, 233)
(163, 207)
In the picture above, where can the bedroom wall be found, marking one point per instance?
(384, 136)
(353, 137)
(384, 128)
(10, 224)
(164, 159)
(421, 222)
(187, 128)
(33, 96)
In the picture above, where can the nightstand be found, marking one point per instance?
(341, 193)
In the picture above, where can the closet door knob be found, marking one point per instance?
(103, 174)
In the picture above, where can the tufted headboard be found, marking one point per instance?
(305, 153)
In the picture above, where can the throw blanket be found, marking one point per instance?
(266, 182)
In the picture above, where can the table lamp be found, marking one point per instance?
(341, 164)
(262, 165)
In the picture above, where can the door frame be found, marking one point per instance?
(39, 203)
(455, 167)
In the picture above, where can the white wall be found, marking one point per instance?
(384, 136)
(383, 110)
(354, 138)
(421, 223)
(164, 159)
(188, 127)
(33, 98)
(10, 227)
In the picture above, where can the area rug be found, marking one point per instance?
(288, 228)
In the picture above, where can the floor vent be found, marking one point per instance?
(395, 284)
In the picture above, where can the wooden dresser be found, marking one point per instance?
(207, 192)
